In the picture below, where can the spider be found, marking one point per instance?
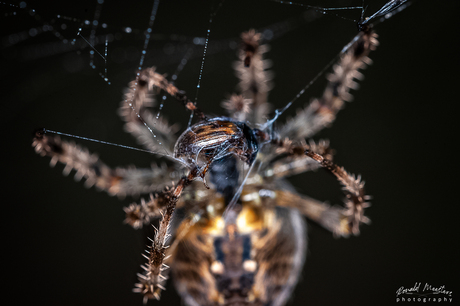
(241, 239)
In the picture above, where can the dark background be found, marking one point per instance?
(64, 244)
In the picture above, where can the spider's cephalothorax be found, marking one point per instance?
(252, 254)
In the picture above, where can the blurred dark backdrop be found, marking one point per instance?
(66, 245)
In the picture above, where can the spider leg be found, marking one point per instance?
(138, 215)
(119, 181)
(322, 112)
(353, 187)
(293, 159)
(151, 282)
(158, 80)
(333, 218)
(152, 132)
(255, 81)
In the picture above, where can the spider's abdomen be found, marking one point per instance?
(214, 139)
(257, 264)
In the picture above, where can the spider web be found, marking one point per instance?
(47, 40)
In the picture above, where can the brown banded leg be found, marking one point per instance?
(321, 112)
(160, 81)
(118, 181)
(353, 188)
(140, 122)
(289, 159)
(332, 218)
(151, 282)
(254, 79)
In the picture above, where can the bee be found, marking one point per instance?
(230, 229)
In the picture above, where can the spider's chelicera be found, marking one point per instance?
(242, 238)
